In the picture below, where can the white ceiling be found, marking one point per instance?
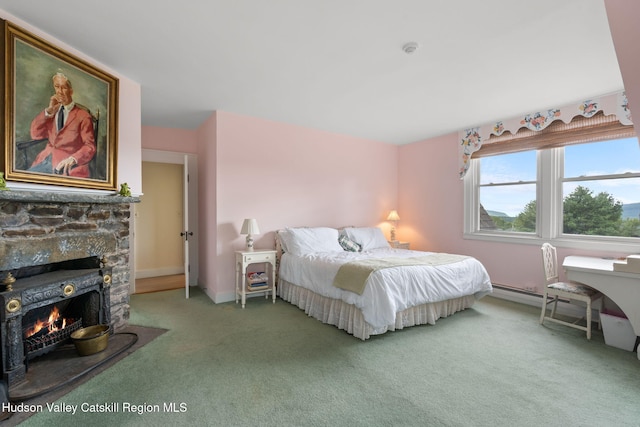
(338, 65)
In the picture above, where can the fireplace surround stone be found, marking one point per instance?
(39, 228)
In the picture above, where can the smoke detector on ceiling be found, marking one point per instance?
(410, 47)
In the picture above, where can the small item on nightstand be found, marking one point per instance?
(257, 277)
(257, 281)
(396, 244)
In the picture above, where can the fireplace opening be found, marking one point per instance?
(45, 328)
(45, 304)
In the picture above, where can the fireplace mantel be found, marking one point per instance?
(64, 197)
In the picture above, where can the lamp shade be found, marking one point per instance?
(393, 216)
(250, 226)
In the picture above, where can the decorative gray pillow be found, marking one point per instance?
(367, 237)
(348, 244)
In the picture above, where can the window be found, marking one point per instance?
(562, 188)
(601, 189)
(508, 185)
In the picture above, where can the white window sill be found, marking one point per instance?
(591, 243)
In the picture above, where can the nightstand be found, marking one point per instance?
(399, 245)
(258, 256)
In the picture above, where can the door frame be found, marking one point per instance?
(189, 161)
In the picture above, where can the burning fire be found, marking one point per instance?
(52, 324)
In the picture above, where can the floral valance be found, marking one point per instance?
(470, 140)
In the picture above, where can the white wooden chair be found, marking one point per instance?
(567, 290)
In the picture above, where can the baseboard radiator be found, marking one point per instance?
(522, 296)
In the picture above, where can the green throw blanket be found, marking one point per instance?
(353, 276)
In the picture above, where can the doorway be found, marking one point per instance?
(163, 258)
(159, 217)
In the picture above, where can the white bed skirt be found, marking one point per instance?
(350, 319)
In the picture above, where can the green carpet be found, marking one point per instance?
(271, 365)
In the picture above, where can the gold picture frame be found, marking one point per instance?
(39, 78)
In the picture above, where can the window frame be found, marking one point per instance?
(549, 197)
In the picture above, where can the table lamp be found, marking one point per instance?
(394, 218)
(250, 227)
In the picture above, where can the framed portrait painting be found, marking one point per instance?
(60, 115)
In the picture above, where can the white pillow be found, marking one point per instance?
(367, 237)
(303, 241)
(281, 236)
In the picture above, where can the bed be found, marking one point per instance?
(351, 278)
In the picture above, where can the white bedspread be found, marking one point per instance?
(389, 290)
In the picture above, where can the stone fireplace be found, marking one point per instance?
(60, 251)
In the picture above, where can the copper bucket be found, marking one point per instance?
(91, 340)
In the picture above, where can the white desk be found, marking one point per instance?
(620, 287)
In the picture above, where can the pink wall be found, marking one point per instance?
(129, 135)
(169, 139)
(625, 31)
(286, 175)
(431, 203)
(283, 175)
(207, 205)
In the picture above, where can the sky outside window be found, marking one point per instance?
(515, 167)
(600, 158)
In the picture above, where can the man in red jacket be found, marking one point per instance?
(69, 129)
